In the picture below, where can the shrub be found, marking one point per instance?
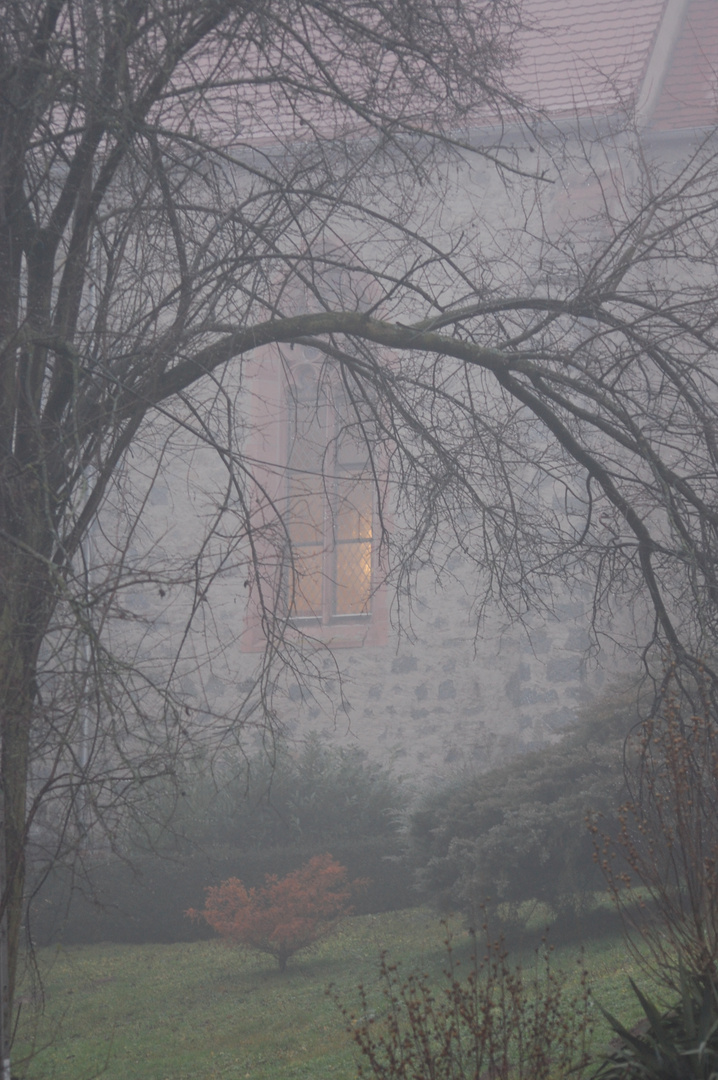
(665, 845)
(680, 1043)
(310, 795)
(664, 849)
(129, 903)
(244, 818)
(518, 832)
(284, 915)
(494, 1021)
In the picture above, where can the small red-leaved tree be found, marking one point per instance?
(284, 915)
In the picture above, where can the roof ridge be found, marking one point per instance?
(660, 58)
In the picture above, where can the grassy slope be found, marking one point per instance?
(205, 1011)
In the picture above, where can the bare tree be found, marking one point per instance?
(166, 171)
(184, 184)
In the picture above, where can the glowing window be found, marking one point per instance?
(329, 493)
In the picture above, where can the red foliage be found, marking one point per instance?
(284, 915)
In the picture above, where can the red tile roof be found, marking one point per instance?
(576, 58)
(586, 57)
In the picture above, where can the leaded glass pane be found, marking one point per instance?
(352, 510)
(308, 441)
(352, 591)
(307, 579)
(351, 448)
(306, 512)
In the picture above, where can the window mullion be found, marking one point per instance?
(330, 539)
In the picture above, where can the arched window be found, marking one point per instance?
(329, 501)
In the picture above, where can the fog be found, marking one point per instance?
(357, 499)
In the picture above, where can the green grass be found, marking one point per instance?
(205, 1011)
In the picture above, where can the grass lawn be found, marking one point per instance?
(205, 1011)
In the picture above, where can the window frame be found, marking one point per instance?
(268, 444)
(327, 498)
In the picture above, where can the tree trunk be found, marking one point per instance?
(26, 587)
(283, 957)
(14, 769)
(17, 690)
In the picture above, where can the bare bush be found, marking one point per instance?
(488, 1017)
(661, 863)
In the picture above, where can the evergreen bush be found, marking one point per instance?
(246, 820)
(518, 832)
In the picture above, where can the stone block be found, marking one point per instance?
(446, 690)
(402, 665)
(563, 669)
